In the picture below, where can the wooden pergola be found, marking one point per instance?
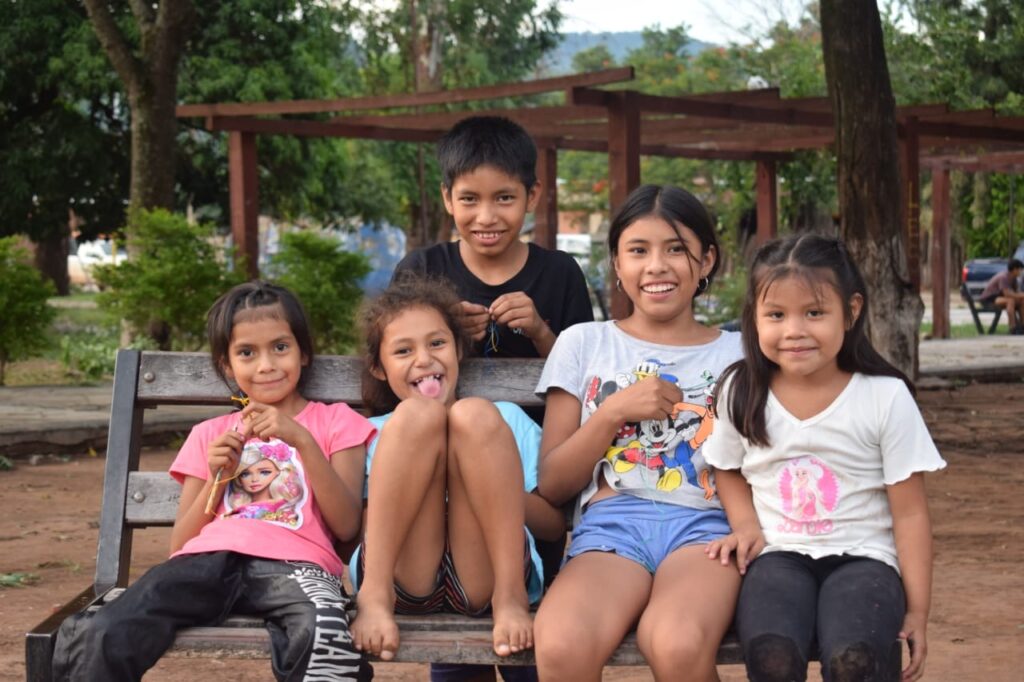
(751, 125)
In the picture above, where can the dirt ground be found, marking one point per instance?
(977, 623)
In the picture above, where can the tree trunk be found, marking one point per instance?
(51, 259)
(426, 20)
(868, 174)
(148, 68)
(154, 146)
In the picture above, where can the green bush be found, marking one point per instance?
(25, 314)
(326, 280)
(169, 281)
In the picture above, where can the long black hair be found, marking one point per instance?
(821, 261)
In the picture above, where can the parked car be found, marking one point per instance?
(978, 271)
(85, 255)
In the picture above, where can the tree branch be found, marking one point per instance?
(114, 44)
(174, 22)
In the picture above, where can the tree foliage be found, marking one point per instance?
(326, 279)
(171, 280)
(63, 144)
(23, 296)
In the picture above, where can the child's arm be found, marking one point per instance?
(912, 531)
(222, 454)
(337, 484)
(569, 451)
(545, 521)
(746, 539)
(516, 310)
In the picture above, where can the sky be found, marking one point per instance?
(712, 21)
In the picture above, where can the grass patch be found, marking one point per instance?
(956, 331)
(18, 579)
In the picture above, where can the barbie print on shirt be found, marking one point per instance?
(267, 485)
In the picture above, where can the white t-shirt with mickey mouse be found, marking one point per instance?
(820, 487)
(656, 459)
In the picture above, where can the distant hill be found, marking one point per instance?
(618, 43)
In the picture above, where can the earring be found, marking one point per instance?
(702, 285)
(618, 284)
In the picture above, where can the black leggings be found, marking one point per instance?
(848, 609)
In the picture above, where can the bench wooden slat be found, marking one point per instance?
(188, 379)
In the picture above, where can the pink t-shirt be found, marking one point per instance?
(269, 510)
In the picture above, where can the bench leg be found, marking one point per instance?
(995, 321)
(974, 314)
(38, 657)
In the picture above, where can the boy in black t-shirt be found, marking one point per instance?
(517, 297)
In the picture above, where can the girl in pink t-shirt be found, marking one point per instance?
(264, 493)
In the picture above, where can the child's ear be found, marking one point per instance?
(446, 196)
(532, 197)
(856, 305)
(377, 373)
(707, 261)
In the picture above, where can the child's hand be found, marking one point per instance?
(649, 398)
(474, 319)
(224, 451)
(746, 542)
(516, 310)
(913, 631)
(266, 422)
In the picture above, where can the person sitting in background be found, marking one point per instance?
(1003, 291)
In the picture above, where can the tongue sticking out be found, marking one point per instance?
(429, 387)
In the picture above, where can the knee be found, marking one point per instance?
(560, 646)
(852, 663)
(420, 416)
(677, 648)
(471, 416)
(774, 658)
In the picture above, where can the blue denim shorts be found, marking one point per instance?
(644, 531)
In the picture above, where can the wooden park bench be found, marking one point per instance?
(134, 499)
(977, 307)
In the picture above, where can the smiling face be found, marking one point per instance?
(257, 477)
(489, 206)
(660, 268)
(801, 326)
(264, 358)
(418, 356)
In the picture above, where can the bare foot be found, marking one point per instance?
(513, 626)
(375, 631)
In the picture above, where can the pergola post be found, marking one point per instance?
(243, 181)
(940, 253)
(545, 216)
(910, 204)
(623, 172)
(767, 202)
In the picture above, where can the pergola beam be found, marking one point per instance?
(315, 106)
(693, 106)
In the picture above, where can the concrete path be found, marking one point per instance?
(72, 419)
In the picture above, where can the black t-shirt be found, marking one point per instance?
(552, 279)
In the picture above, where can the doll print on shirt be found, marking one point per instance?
(268, 485)
(661, 453)
(810, 493)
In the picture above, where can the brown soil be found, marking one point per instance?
(977, 622)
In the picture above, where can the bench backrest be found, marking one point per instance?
(146, 379)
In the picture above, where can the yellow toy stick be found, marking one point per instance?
(211, 502)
